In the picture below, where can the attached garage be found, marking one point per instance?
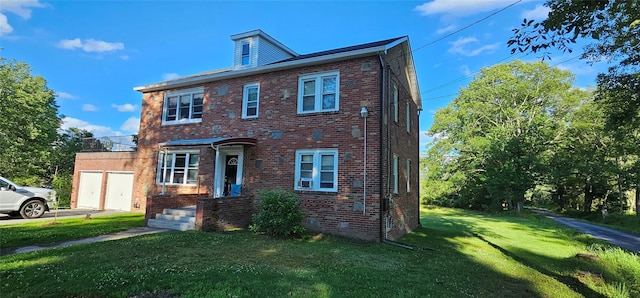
(119, 191)
(90, 190)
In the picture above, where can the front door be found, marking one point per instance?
(230, 173)
(229, 161)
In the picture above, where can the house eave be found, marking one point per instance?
(215, 76)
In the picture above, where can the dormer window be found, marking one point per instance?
(245, 53)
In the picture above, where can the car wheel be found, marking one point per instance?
(32, 209)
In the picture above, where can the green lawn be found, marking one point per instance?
(473, 255)
(45, 232)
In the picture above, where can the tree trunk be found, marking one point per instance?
(588, 195)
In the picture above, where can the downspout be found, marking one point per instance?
(382, 117)
(215, 170)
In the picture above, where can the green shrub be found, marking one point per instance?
(62, 186)
(279, 214)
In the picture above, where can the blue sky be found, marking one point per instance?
(92, 53)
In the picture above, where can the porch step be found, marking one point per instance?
(171, 224)
(185, 211)
(181, 219)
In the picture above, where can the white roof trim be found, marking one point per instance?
(218, 75)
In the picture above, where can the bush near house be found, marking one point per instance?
(279, 214)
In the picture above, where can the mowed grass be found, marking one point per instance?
(474, 255)
(47, 232)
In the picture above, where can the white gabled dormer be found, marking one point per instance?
(256, 48)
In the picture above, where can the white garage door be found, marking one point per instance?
(119, 191)
(89, 190)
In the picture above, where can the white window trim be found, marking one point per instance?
(316, 169)
(179, 93)
(160, 166)
(408, 175)
(395, 102)
(395, 174)
(245, 100)
(318, 95)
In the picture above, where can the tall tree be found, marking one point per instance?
(28, 124)
(613, 27)
(499, 128)
(69, 142)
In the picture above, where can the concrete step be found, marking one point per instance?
(180, 211)
(171, 224)
(176, 217)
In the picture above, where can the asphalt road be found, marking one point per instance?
(628, 241)
(5, 219)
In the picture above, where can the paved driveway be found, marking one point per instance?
(628, 241)
(63, 213)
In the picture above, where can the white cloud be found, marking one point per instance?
(127, 107)
(446, 29)
(90, 45)
(124, 57)
(424, 140)
(5, 28)
(70, 43)
(65, 95)
(460, 7)
(460, 47)
(465, 69)
(89, 108)
(131, 125)
(21, 8)
(97, 130)
(170, 76)
(540, 12)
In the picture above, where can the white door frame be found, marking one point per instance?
(221, 158)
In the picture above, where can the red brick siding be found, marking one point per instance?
(271, 163)
(404, 210)
(103, 162)
(223, 214)
(157, 203)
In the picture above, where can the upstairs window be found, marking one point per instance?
(317, 170)
(395, 103)
(408, 175)
(246, 50)
(183, 107)
(318, 92)
(250, 99)
(395, 174)
(178, 168)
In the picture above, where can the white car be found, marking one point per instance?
(29, 202)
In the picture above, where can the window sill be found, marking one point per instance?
(316, 192)
(190, 121)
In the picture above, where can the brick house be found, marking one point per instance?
(339, 127)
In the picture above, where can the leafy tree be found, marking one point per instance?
(28, 124)
(69, 142)
(614, 27)
(496, 133)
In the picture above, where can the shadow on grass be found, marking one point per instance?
(523, 257)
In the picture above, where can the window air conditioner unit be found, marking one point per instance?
(305, 183)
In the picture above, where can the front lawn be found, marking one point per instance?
(473, 256)
(46, 232)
